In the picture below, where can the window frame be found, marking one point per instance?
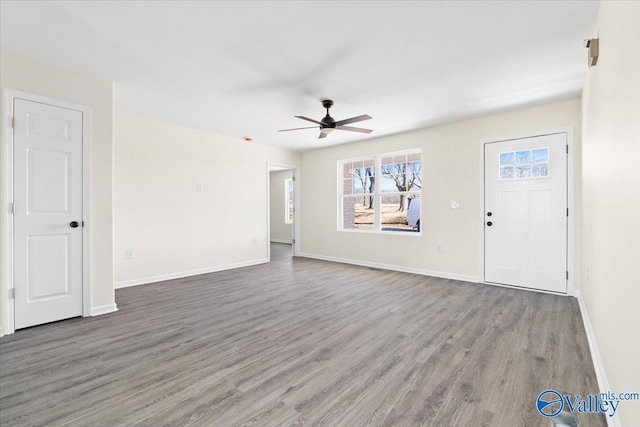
(377, 194)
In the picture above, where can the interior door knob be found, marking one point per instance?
(74, 224)
(489, 223)
(489, 214)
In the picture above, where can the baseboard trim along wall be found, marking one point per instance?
(603, 383)
(104, 309)
(163, 277)
(288, 242)
(453, 276)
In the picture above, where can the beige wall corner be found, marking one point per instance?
(611, 200)
(187, 201)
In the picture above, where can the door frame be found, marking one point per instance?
(7, 304)
(570, 203)
(296, 206)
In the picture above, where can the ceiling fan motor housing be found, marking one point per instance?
(327, 121)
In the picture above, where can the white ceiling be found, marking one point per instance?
(246, 68)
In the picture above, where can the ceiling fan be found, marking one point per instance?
(328, 124)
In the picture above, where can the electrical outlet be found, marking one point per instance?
(199, 188)
(323, 239)
(255, 242)
(456, 204)
(439, 249)
(128, 254)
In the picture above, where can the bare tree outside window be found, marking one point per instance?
(358, 179)
(405, 176)
(370, 172)
(360, 175)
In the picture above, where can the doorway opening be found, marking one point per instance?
(282, 211)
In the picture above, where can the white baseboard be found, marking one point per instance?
(453, 276)
(288, 242)
(103, 309)
(601, 377)
(171, 276)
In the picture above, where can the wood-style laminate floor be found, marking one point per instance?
(301, 342)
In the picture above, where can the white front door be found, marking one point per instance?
(525, 215)
(47, 213)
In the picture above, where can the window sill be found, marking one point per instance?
(386, 233)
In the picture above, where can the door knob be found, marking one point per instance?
(489, 223)
(489, 214)
(74, 224)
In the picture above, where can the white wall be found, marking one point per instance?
(611, 199)
(451, 162)
(172, 229)
(20, 73)
(280, 231)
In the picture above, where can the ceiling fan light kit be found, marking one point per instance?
(328, 123)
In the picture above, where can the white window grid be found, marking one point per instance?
(531, 163)
(377, 194)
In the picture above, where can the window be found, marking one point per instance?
(288, 201)
(524, 164)
(381, 193)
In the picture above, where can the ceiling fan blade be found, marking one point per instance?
(323, 135)
(352, 129)
(287, 130)
(309, 120)
(353, 120)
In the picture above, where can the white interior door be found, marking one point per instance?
(525, 223)
(47, 213)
